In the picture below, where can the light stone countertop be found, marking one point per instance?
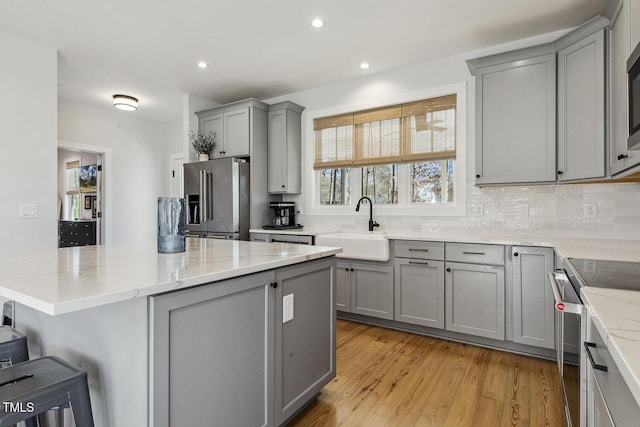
(58, 281)
(616, 315)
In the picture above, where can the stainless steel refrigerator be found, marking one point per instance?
(217, 196)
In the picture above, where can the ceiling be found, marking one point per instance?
(149, 49)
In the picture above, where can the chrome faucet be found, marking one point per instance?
(372, 223)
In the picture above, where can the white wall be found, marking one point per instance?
(28, 128)
(552, 210)
(139, 162)
(190, 105)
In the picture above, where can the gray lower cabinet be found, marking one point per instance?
(474, 296)
(419, 292)
(343, 286)
(305, 346)
(365, 289)
(581, 112)
(259, 237)
(221, 354)
(212, 354)
(533, 304)
(516, 116)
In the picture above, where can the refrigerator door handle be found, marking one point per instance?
(209, 191)
(203, 196)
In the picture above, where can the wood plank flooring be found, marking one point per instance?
(391, 378)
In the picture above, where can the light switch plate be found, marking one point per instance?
(287, 308)
(28, 210)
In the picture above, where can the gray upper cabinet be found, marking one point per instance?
(284, 153)
(516, 116)
(581, 115)
(533, 304)
(624, 34)
(213, 123)
(233, 125)
(236, 133)
(620, 48)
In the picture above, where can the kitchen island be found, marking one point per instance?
(187, 338)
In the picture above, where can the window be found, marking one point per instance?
(402, 155)
(335, 188)
(432, 182)
(380, 183)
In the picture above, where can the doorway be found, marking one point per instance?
(82, 198)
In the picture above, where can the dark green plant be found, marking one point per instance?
(203, 144)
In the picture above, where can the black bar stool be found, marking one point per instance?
(32, 387)
(13, 346)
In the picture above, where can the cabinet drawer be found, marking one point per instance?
(419, 249)
(475, 253)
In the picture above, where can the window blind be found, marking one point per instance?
(429, 129)
(378, 136)
(412, 132)
(334, 141)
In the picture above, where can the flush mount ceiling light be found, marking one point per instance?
(202, 64)
(364, 65)
(317, 23)
(125, 102)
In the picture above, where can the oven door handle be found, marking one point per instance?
(560, 304)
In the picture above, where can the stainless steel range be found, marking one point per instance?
(571, 322)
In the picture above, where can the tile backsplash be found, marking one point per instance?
(608, 211)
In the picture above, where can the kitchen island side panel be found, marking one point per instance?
(110, 342)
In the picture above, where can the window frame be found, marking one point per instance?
(404, 207)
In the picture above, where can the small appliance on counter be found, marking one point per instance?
(282, 217)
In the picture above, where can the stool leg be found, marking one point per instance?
(81, 404)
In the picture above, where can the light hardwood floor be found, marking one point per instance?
(391, 378)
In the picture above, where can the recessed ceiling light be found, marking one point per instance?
(317, 23)
(125, 102)
(364, 65)
(202, 64)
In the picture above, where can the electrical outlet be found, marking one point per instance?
(287, 308)
(590, 210)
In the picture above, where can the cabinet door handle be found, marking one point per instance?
(622, 156)
(477, 176)
(448, 270)
(594, 365)
(274, 285)
(473, 253)
(417, 262)
(418, 250)
(516, 254)
(560, 172)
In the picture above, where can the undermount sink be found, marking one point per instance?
(369, 246)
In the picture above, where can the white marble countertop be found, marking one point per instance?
(59, 281)
(616, 315)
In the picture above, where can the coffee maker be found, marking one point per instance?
(283, 216)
